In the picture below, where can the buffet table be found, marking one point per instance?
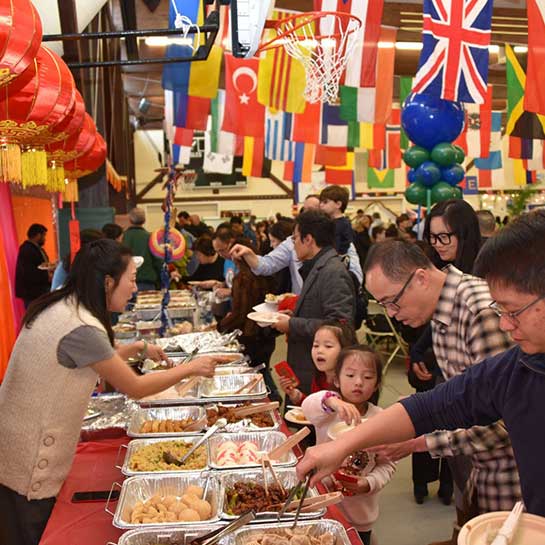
(88, 523)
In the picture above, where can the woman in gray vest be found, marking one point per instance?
(65, 345)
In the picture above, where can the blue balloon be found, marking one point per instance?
(428, 173)
(430, 120)
(411, 176)
(453, 175)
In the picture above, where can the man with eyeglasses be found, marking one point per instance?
(509, 385)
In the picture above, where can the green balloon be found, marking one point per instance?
(459, 154)
(443, 154)
(416, 193)
(441, 191)
(457, 192)
(415, 156)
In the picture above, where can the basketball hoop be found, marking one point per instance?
(322, 41)
(187, 179)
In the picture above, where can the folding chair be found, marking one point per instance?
(387, 333)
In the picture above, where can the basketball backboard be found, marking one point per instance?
(247, 22)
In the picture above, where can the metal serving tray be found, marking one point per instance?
(136, 444)
(265, 442)
(167, 413)
(225, 370)
(143, 487)
(205, 341)
(286, 476)
(210, 388)
(170, 397)
(166, 536)
(313, 528)
(243, 425)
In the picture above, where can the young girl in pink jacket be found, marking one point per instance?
(358, 375)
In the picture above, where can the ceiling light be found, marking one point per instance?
(162, 41)
(405, 46)
(520, 49)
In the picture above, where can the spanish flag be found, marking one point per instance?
(252, 161)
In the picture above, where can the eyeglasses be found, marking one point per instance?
(441, 238)
(513, 316)
(392, 305)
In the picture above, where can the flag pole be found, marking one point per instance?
(418, 220)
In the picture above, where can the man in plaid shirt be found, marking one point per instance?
(465, 331)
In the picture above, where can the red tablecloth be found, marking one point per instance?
(88, 523)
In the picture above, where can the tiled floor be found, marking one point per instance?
(402, 521)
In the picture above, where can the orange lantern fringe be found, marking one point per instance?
(10, 163)
(71, 191)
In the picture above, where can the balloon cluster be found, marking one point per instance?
(432, 124)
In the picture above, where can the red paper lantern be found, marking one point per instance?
(88, 163)
(20, 37)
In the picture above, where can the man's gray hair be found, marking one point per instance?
(137, 216)
(397, 259)
(487, 222)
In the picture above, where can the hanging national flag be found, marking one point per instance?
(306, 126)
(221, 142)
(380, 179)
(277, 146)
(288, 171)
(373, 136)
(405, 86)
(334, 130)
(282, 80)
(360, 69)
(534, 96)
(492, 162)
(328, 155)
(182, 145)
(191, 112)
(479, 127)
(490, 179)
(494, 159)
(176, 75)
(341, 175)
(520, 148)
(390, 155)
(537, 161)
(522, 176)
(373, 104)
(519, 122)
(252, 160)
(214, 161)
(204, 75)
(243, 113)
(304, 159)
(454, 59)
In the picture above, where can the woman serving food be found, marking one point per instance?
(65, 345)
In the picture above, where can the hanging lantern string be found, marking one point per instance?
(165, 275)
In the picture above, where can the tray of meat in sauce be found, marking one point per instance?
(264, 421)
(241, 491)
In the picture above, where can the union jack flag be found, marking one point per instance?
(454, 59)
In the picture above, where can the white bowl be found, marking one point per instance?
(338, 428)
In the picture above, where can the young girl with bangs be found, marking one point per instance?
(330, 338)
(357, 380)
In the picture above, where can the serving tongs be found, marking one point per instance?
(281, 450)
(190, 356)
(247, 388)
(216, 535)
(256, 408)
(169, 458)
(292, 495)
(185, 387)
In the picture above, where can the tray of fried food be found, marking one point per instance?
(189, 499)
(245, 450)
(243, 490)
(167, 536)
(147, 456)
(167, 421)
(307, 532)
(261, 421)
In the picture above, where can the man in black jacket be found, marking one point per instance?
(328, 291)
(31, 273)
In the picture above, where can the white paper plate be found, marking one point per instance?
(530, 531)
(292, 416)
(264, 318)
(338, 428)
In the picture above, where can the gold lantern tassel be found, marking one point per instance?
(34, 167)
(10, 163)
(55, 177)
(71, 191)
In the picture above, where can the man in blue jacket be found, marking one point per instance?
(510, 385)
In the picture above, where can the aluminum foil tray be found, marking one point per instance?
(223, 370)
(287, 477)
(265, 442)
(167, 413)
(166, 536)
(222, 388)
(205, 341)
(136, 444)
(143, 487)
(246, 424)
(111, 410)
(313, 528)
(170, 396)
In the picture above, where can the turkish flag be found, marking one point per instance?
(244, 115)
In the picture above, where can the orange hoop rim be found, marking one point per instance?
(309, 17)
